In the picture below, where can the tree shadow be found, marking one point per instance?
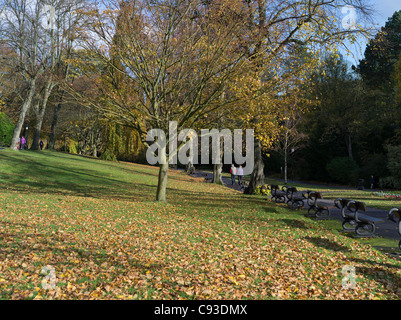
(294, 223)
(327, 244)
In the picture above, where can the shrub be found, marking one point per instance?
(387, 183)
(394, 167)
(262, 190)
(108, 155)
(342, 170)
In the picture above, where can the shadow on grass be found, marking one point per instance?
(327, 244)
(294, 223)
(38, 172)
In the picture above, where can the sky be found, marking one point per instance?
(384, 9)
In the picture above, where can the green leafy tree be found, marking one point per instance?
(381, 55)
(342, 170)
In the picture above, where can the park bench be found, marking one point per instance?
(362, 224)
(278, 195)
(295, 198)
(341, 204)
(316, 209)
(395, 216)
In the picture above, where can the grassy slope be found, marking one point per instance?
(96, 223)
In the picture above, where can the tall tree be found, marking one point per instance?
(38, 32)
(65, 18)
(339, 94)
(21, 30)
(170, 61)
(381, 54)
(311, 23)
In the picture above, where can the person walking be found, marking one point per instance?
(240, 173)
(23, 141)
(372, 182)
(233, 171)
(41, 144)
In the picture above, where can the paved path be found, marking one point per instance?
(386, 229)
(226, 181)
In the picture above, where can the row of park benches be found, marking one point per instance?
(296, 199)
(353, 220)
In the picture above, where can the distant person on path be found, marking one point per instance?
(240, 173)
(233, 171)
(23, 141)
(372, 182)
(41, 144)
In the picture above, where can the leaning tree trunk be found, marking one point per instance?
(39, 114)
(25, 107)
(257, 176)
(52, 140)
(56, 111)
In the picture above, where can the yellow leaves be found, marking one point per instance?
(239, 248)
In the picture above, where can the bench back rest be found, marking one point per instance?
(397, 213)
(356, 206)
(313, 197)
(274, 189)
(394, 214)
(341, 203)
(290, 192)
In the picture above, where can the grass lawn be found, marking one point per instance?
(97, 224)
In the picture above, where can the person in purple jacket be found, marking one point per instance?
(23, 141)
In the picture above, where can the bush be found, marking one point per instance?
(262, 190)
(394, 167)
(343, 170)
(108, 155)
(374, 164)
(6, 129)
(389, 183)
(394, 161)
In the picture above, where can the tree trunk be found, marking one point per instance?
(218, 168)
(348, 143)
(217, 176)
(25, 107)
(257, 176)
(285, 166)
(162, 183)
(286, 158)
(40, 113)
(52, 140)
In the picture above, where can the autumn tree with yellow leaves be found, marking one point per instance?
(186, 60)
